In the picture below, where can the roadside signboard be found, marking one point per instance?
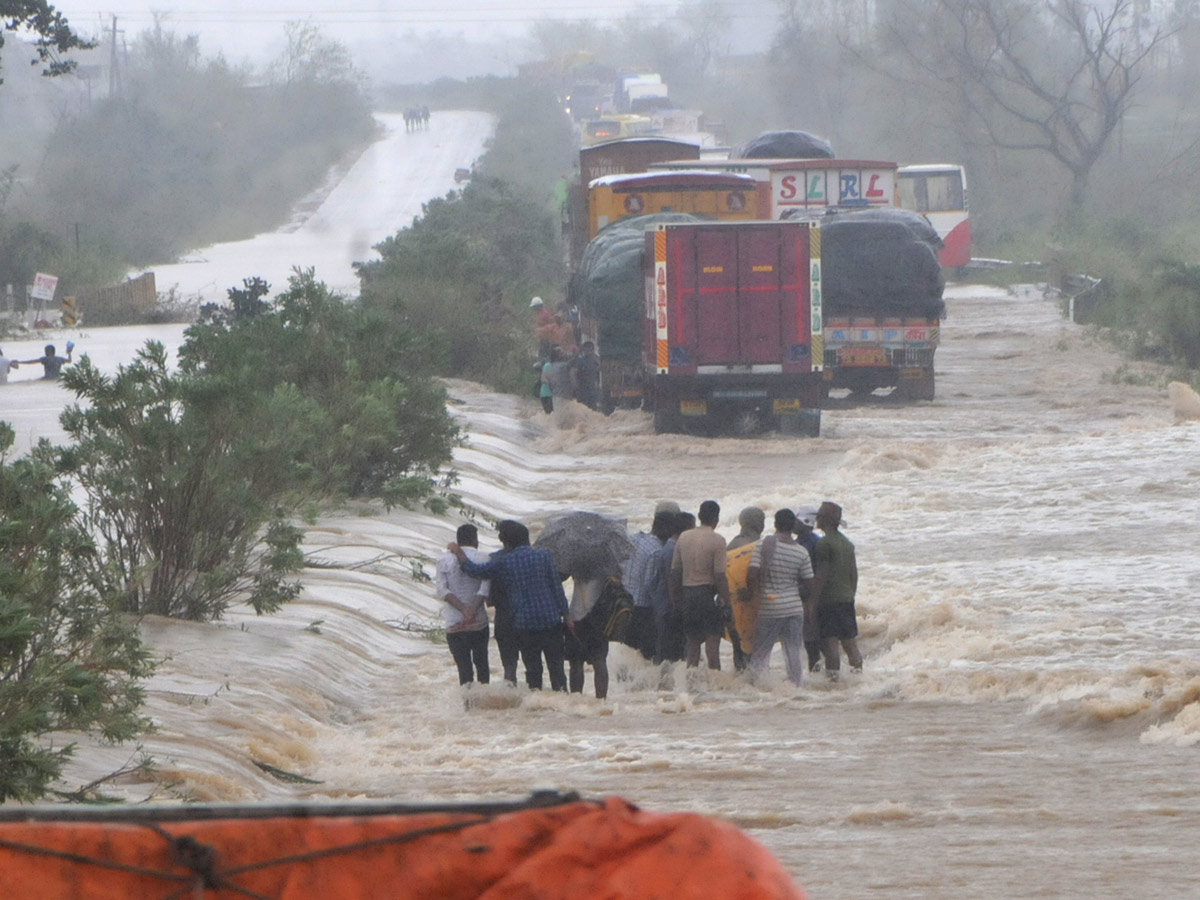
(44, 286)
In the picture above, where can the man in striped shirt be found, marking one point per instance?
(781, 577)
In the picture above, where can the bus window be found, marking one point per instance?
(940, 193)
(943, 192)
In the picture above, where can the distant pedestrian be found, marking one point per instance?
(556, 379)
(5, 365)
(530, 580)
(463, 609)
(781, 575)
(51, 363)
(699, 589)
(835, 585)
(543, 327)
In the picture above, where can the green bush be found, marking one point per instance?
(183, 493)
(377, 425)
(68, 660)
(191, 475)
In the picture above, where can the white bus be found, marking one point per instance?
(939, 192)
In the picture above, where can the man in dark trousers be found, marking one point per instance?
(529, 578)
(463, 599)
(698, 586)
(806, 537)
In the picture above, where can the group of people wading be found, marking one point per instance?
(416, 117)
(687, 587)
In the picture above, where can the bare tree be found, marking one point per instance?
(1051, 76)
(312, 58)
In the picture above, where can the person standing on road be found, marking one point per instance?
(806, 521)
(699, 589)
(641, 576)
(5, 365)
(835, 584)
(586, 642)
(51, 363)
(463, 609)
(587, 376)
(781, 576)
(543, 327)
(530, 580)
(556, 380)
(742, 613)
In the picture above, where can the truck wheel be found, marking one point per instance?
(747, 423)
(927, 386)
(666, 420)
(810, 423)
(917, 388)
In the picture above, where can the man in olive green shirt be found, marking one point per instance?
(835, 583)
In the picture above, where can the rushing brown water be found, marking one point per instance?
(1028, 718)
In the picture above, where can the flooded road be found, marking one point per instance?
(1028, 719)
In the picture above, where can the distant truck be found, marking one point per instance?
(638, 91)
(732, 339)
(715, 327)
(882, 301)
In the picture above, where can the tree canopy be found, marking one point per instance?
(55, 34)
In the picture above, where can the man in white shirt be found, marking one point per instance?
(5, 365)
(463, 609)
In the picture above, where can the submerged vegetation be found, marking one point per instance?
(192, 480)
(69, 661)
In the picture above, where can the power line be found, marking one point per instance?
(374, 15)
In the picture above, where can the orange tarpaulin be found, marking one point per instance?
(608, 850)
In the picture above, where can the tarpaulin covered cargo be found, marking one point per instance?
(783, 145)
(608, 286)
(880, 262)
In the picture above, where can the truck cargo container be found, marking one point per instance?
(732, 327)
(719, 195)
(619, 157)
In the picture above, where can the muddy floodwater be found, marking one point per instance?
(1028, 719)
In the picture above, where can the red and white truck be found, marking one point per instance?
(732, 327)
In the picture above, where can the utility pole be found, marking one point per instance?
(114, 79)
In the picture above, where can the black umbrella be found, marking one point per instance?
(586, 544)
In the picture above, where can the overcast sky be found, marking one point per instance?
(244, 30)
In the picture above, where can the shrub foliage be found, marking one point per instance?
(68, 660)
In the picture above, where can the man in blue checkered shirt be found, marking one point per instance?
(529, 577)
